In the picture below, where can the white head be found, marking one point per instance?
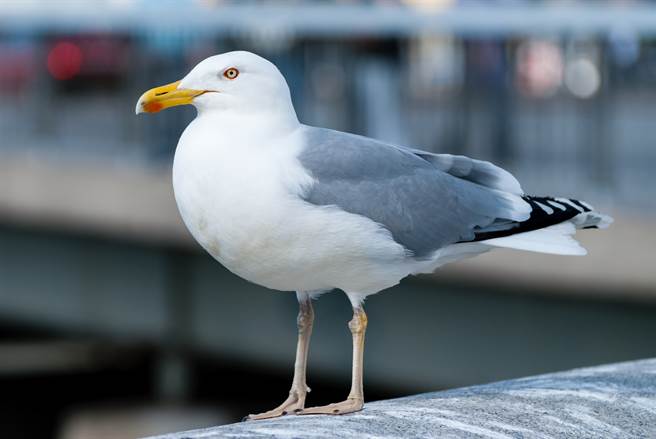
(233, 81)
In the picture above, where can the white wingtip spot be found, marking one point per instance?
(548, 210)
(586, 205)
(557, 205)
(569, 203)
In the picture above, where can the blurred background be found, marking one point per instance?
(114, 323)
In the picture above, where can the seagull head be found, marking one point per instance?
(234, 81)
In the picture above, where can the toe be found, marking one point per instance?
(286, 408)
(340, 408)
(266, 415)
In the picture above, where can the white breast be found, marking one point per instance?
(239, 197)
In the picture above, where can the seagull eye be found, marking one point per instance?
(231, 73)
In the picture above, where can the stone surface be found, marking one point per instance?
(617, 401)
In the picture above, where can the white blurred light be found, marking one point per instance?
(582, 78)
(120, 3)
(429, 5)
(436, 65)
(270, 38)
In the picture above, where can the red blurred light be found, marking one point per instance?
(64, 61)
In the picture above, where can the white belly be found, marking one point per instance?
(243, 208)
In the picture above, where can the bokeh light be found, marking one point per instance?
(582, 78)
(64, 60)
(539, 68)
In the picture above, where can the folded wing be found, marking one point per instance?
(427, 201)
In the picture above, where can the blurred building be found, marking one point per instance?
(104, 298)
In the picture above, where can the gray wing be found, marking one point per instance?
(409, 192)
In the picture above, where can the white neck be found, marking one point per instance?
(247, 124)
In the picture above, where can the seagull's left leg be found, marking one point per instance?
(296, 399)
(355, 400)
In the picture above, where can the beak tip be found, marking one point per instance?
(159, 98)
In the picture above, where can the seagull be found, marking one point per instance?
(309, 210)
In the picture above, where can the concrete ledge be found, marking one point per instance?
(617, 400)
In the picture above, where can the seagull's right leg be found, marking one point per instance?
(295, 402)
(355, 400)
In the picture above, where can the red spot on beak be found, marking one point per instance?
(152, 107)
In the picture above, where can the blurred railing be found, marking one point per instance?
(543, 90)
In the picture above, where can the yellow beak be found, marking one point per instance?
(160, 98)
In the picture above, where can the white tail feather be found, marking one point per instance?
(556, 239)
(592, 219)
